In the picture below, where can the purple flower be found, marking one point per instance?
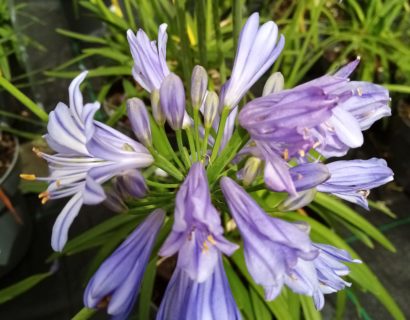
(199, 85)
(172, 100)
(352, 180)
(139, 118)
(197, 234)
(257, 51)
(360, 105)
(322, 275)
(119, 277)
(279, 123)
(188, 299)
(272, 246)
(150, 65)
(89, 153)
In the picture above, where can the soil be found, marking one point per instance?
(7, 147)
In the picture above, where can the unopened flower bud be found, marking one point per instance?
(172, 100)
(210, 108)
(274, 84)
(157, 112)
(139, 118)
(199, 85)
(251, 170)
(132, 183)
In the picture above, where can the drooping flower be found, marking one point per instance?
(188, 299)
(89, 153)
(322, 275)
(352, 180)
(197, 233)
(272, 246)
(150, 65)
(257, 50)
(118, 279)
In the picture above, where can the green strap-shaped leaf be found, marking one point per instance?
(343, 211)
(309, 310)
(18, 288)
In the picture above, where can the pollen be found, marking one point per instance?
(359, 91)
(43, 194)
(36, 151)
(44, 200)
(301, 153)
(29, 177)
(316, 144)
(205, 247)
(58, 183)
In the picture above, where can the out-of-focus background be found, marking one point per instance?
(45, 43)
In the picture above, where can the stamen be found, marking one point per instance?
(359, 91)
(58, 183)
(364, 193)
(211, 239)
(301, 153)
(286, 154)
(316, 144)
(37, 152)
(127, 147)
(205, 247)
(27, 176)
(44, 200)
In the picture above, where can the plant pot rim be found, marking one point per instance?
(13, 161)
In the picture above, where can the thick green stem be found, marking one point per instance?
(219, 135)
(196, 130)
(164, 164)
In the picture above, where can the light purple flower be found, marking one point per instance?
(150, 65)
(199, 85)
(257, 51)
(139, 118)
(89, 153)
(119, 277)
(279, 124)
(322, 275)
(272, 246)
(172, 100)
(197, 233)
(352, 180)
(360, 105)
(187, 299)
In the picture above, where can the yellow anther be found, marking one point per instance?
(301, 153)
(43, 194)
(211, 239)
(36, 151)
(58, 183)
(286, 154)
(359, 91)
(127, 147)
(205, 247)
(44, 200)
(316, 144)
(27, 176)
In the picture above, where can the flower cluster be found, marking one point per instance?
(287, 129)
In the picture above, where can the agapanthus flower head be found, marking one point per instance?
(188, 299)
(118, 279)
(257, 50)
(150, 65)
(197, 233)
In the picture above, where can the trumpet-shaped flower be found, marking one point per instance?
(352, 180)
(118, 279)
(197, 233)
(272, 246)
(258, 49)
(89, 153)
(150, 65)
(187, 299)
